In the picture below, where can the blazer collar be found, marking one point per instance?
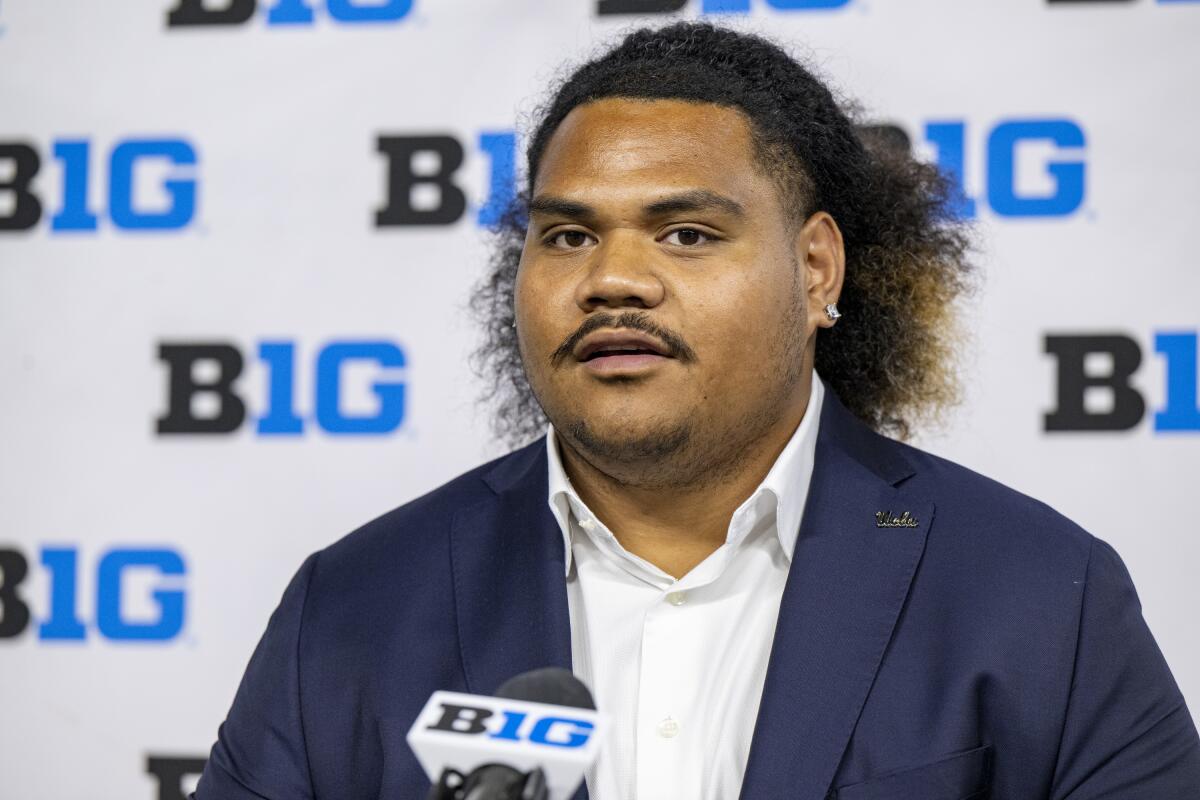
(510, 597)
(847, 583)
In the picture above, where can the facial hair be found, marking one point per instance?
(678, 454)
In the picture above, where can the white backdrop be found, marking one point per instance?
(187, 540)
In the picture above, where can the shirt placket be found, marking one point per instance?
(670, 745)
(665, 737)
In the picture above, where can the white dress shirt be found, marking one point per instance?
(679, 665)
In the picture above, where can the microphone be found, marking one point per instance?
(531, 741)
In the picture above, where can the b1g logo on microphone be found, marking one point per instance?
(139, 594)
(1094, 392)
(149, 184)
(358, 388)
(607, 7)
(463, 732)
(207, 13)
(551, 730)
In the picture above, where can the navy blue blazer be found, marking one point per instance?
(993, 649)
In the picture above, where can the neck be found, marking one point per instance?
(678, 524)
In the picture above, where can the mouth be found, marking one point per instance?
(612, 362)
(610, 352)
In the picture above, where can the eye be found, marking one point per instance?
(569, 240)
(687, 237)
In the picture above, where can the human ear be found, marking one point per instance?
(821, 255)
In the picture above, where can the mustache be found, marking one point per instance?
(633, 320)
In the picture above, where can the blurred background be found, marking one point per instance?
(237, 239)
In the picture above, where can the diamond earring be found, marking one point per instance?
(831, 312)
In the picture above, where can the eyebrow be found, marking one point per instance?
(695, 200)
(690, 201)
(558, 206)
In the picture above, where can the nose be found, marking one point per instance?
(621, 275)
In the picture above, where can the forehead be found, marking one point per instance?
(653, 143)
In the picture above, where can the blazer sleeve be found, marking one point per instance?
(1128, 734)
(260, 752)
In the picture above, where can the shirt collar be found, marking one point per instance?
(785, 488)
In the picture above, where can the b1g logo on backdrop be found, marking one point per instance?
(422, 187)
(1116, 2)
(207, 13)
(358, 388)
(608, 7)
(1093, 389)
(1014, 183)
(176, 776)
(149, 185)
(139, 594)
(1025, 167)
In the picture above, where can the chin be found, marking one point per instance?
(621, 438)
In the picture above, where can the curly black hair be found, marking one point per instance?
(891, 358)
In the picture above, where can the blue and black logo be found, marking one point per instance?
(290, 13)
(172, 210)
(1012, 151)
(422, 188)
(114, 621)
(550, 730)
(1094, 390)
(1064, 173)
(420, 179)
(612, 7)
(203, 397)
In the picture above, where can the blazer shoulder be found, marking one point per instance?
(993, 514)
(410, 533)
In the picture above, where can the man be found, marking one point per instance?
(715, 292)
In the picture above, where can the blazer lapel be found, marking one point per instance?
(508, 564)
(847, 585)
(510, 588)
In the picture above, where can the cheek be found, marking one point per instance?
(739, 321)
(542, 324)
(531, 302)
(525, 307)
(728, 359)
(522, 290)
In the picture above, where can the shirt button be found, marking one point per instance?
(587, 524)
(677, 598)
(668, 728)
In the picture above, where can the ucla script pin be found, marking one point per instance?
(886, 519)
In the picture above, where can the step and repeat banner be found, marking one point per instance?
(238, 239)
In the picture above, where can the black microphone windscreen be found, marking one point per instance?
(552, 685)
